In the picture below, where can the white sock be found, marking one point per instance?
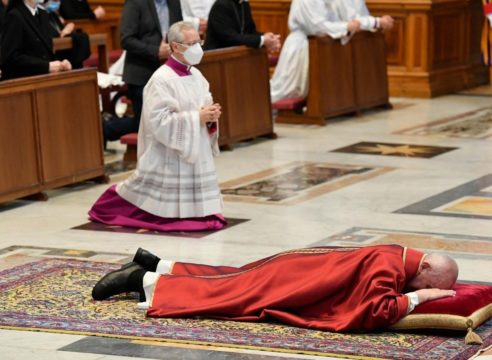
(164, 266)
(149, 282)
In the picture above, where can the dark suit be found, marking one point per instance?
(2, 12)
(141, 37)
(230, 23)
(76, 9)
(27, 48)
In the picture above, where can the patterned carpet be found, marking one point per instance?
(54, 295)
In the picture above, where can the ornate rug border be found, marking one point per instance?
(189, 342)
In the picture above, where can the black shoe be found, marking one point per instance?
(119, 281)
(146, 259)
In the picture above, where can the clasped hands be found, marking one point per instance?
(271, 42)
(210, 114)
(59, 66)
(385, 23)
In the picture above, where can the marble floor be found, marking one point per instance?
(419, 175)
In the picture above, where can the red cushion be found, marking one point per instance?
(114, 55)
(125, 100)
(289, 104)
(468, 299)
(93, 60)
(129, 139)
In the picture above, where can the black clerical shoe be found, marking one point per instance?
(128, 278)
(146, 259)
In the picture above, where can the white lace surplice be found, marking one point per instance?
(175, 176)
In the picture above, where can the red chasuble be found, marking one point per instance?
(333, 289)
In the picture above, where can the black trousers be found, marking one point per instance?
(116, 127)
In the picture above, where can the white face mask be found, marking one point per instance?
(193, 54)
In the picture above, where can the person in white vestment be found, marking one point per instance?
(174, 187)
(339, 19)
(197, 12)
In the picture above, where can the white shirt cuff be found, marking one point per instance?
(413, 301)
(262, 40)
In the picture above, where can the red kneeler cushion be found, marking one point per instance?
(470, 307)
(129, 139)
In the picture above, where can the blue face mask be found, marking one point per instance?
(52, 6)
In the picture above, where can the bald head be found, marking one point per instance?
(436, 271)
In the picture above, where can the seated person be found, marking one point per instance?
(81, 48)
(80, 9)
(331, 289)
(174, 187)
(338, 19)
(27, 48)
(230, 23)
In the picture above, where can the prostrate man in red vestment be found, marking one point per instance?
(333, 289)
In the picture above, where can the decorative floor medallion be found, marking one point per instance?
(296, 182)
(475, 124)
(390, 149)
(470, 200)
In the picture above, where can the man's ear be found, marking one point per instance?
(425, 265)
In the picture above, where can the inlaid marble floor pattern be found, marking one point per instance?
(419, 175)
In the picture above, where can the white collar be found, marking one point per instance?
(33, 11)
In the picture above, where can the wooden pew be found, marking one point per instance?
(271, 16)
(97, 40)
(109, 25)
(239, 81)
(342, 78)
(51, 135)
(113, 8)
(434, 48)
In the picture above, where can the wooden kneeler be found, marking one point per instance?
(130, 140)
(343, 79)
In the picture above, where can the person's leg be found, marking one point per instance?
(284, 281)
(115, 128)
(135, 93)
(153, 263)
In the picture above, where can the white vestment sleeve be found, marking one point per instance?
(194, 8)
(316, 17)
(367, 22)
(194, 20)
(178, 130)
